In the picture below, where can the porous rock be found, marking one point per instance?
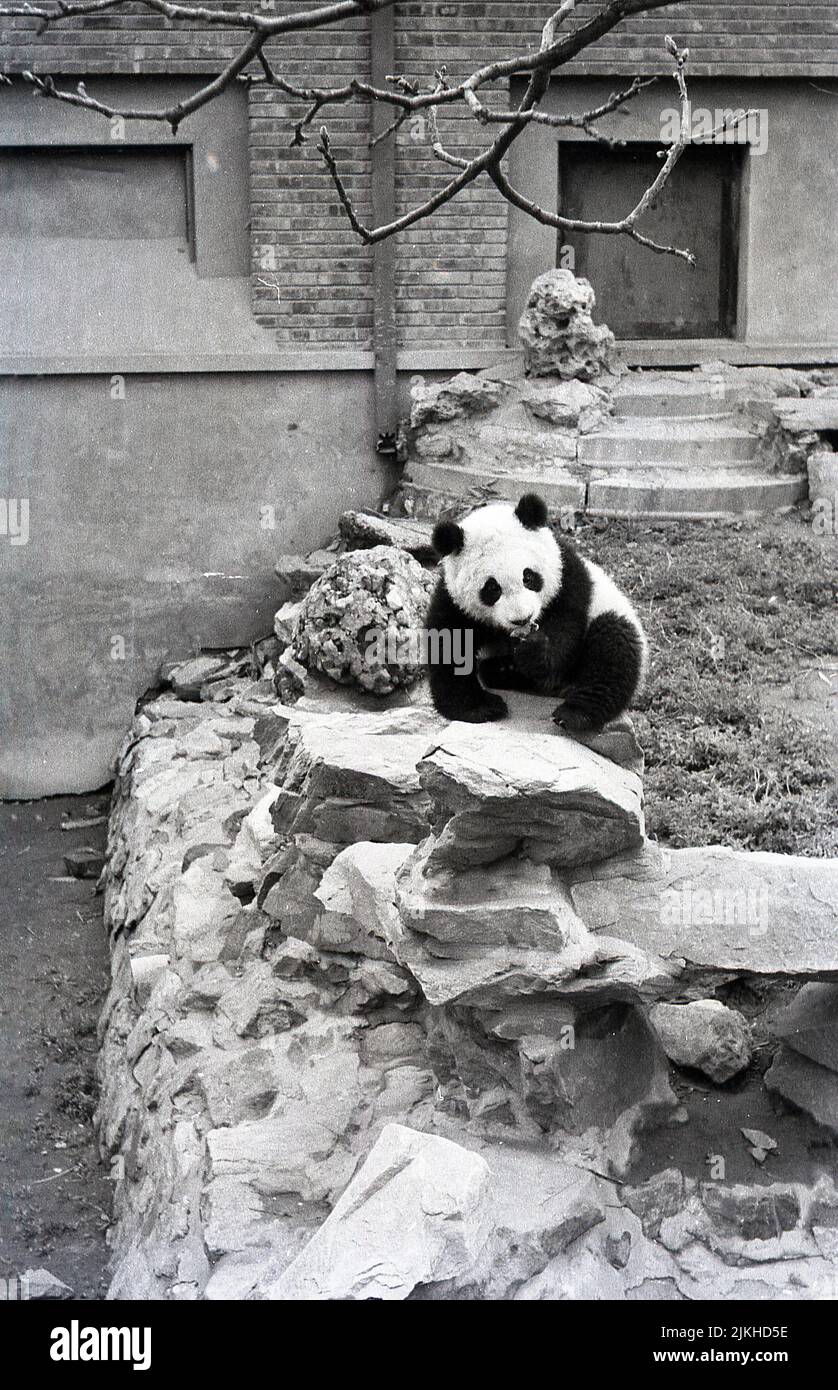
(460, 396)
(557, 332)
(361, 622)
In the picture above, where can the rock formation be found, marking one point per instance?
(383, 1006)
(557, 332)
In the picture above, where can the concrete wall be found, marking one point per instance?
(788, 254)
(149, 537)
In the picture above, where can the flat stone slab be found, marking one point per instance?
(345, 776)
(362, 530)
(718, 909)
(497, 789)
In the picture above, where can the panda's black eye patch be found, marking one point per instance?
(490, 593)
(533, 580)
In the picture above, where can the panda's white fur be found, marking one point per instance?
(497, 544)
(607, 598)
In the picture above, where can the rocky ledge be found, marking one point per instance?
(398, 1008)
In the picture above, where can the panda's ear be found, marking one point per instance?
(448, 538)
(531, 511)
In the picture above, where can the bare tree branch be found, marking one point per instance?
(317, 18)
(587, 121)
(254, 66)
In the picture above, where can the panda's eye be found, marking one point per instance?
(533, 580)
(490, 593)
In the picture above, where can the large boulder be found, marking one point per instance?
(361, 622)
(559, 336)
(497, 790)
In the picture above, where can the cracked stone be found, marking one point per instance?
(418, 1212)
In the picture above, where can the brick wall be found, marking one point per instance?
(311, 279)
(323, 272)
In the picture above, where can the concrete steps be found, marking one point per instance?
(557, 486)
(680, 396)
(672, 448)
(650, 492)
(674, 442)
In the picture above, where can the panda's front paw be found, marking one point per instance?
(489, 708)
(532, 657)
(574, 719)
(496, 671)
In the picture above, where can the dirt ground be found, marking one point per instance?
(55, 1196)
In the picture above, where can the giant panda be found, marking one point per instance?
(542, 617)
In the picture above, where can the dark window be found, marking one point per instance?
(136, 194)
(641, 294)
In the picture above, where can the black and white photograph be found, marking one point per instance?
(419, 670)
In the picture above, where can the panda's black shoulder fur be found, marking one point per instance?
(574, 594)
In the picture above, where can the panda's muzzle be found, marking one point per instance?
(523, 627)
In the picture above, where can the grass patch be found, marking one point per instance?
(732, 611)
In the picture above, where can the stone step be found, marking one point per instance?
(637, 493)
(677, 397)
(712, 493)
(697, 443)
(558, 487)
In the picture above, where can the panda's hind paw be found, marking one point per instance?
(575, 720)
